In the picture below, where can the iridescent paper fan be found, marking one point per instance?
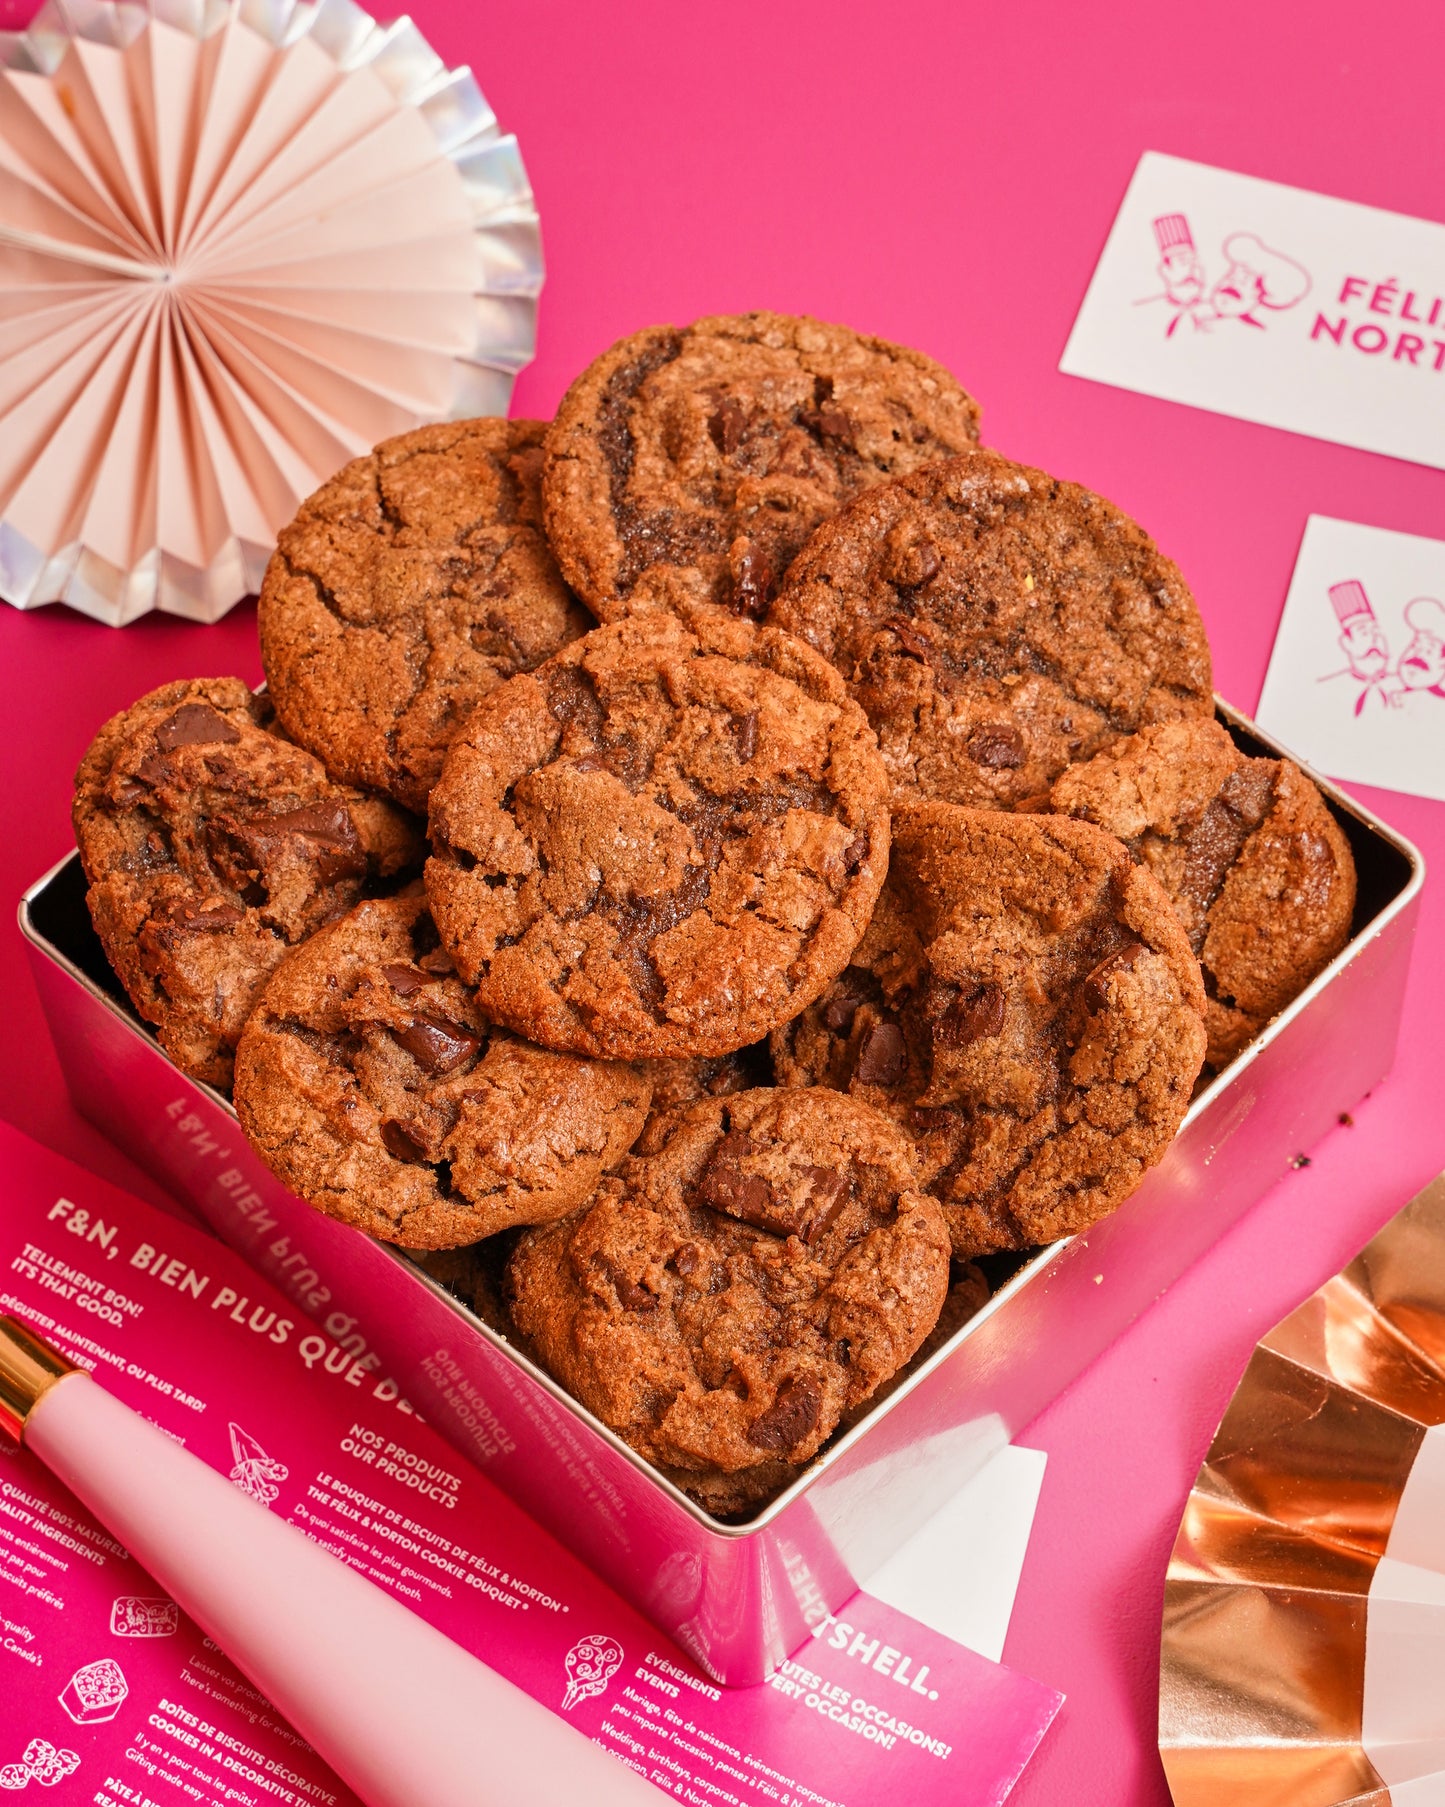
(240, 242)
(1304, 1622)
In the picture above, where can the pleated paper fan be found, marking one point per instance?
(240, 242)
(1303, 1653)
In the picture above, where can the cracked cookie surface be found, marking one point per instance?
(661, 843)
(370, 1082)
(689, 466)
(406, 588)
(1258, 870)
(968, 1293)
(212, 847)
(997, 625)
(723, 1302)
(1026, 1004)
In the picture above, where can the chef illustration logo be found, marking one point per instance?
(42, 1763)
(1255, 282)
(1420, 668)
(252, 1470)
(591, 1663)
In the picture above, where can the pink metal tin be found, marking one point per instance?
(741, 1597)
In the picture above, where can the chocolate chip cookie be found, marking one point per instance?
(407, 587)
(1026, 1003)
(996, 625)
(679, 1083)
(688, 467)
(213, 846)
(738, 1496)
(723, 1302)
(1258, 870)
(661, 843)
(370, 1082)
(968, 1293)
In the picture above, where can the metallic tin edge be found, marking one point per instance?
(1029, 1271)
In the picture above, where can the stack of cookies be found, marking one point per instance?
(834, 879)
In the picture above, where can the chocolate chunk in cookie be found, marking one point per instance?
(407, 587)
(723, 1302)
(1026, 1004)
(661, 843)
(370, 1082)
(213, 846)
(996, 625)
(688, 467)
(1258, 870)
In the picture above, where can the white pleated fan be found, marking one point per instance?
(240, 242)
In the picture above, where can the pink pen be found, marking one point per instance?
(404, 1716)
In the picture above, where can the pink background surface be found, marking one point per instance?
(943, 175)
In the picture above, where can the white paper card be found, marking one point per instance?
(960, 1573)
(1356, 682)
(1403, 1715)
(1271, 304)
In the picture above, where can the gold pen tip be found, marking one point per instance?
(29, 1368)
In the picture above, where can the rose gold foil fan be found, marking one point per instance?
(1303, 1657)
(240, 242)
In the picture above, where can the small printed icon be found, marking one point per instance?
(591, 1664)
(42, 1763)
(94, 1693)
(1362, 640)
(135, 1616)
(252, 1470)
(1180, 270)
(1257, 280)
(1422, 664)
(1420, 668)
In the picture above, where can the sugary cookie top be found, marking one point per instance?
(996, 624)
(689, 466)
(725, 1300)
(1258, 870)
(412, 583)
(660, 843)
(370, 1081)
(213, 845)
(1026, 1004)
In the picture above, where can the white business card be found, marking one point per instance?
(960, 1574)
(1356, 681)
(1271, 304)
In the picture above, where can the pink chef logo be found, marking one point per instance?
(1420, 668)
(1255, 281)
